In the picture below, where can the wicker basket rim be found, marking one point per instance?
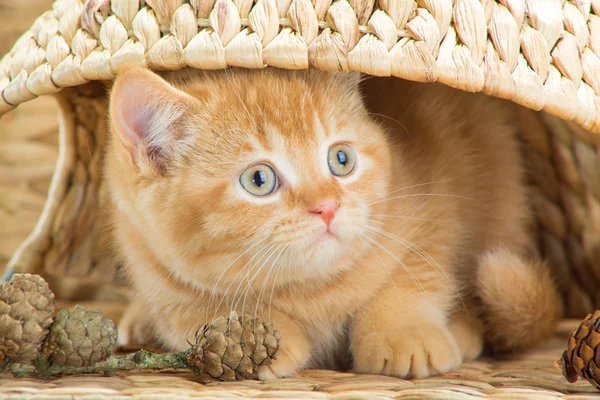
(543, 55)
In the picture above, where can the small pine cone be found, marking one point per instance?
(582, 357)
(80, 338)
(233, 348)
(26, 308)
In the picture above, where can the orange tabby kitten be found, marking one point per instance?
(398, 238)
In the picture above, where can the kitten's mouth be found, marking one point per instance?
(324, 238)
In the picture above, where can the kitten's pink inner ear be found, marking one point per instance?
(149, 116)
(132, 110)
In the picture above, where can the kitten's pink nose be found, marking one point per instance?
(327, 210)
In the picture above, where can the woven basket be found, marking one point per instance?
(541, 54)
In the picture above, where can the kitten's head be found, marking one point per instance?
(239, 173)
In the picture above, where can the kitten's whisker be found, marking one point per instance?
(331, 80)
(403, 217)
(342, 97)
(267, 278)
(393, 120)
(262, 260)
(413, 247)
(238, 275)
(277, 267)
(233, 86)
(227, 131)
(290, 268)
(214, 288)
(171, 272)
(424, 255)
(444, 274)
(180, 263)
(275, 281)
(361, 237)
(419, 185)
(365, 77)
(249, 282)
(259, 300)
(225, 270)
(431, 195)
(404, 266)
(224, 296)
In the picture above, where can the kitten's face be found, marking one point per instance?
(249, 174)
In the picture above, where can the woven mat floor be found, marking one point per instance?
(528, 376)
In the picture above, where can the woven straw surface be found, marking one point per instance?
(28, 151)
(543, 54)
(528, 376)
(28, 142)
(565, 189)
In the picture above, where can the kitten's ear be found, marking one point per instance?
(149, 117)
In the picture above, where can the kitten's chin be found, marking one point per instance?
(325, 251)
(327, 243)
(326, 238)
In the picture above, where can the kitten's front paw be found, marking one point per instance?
(413, 352)
(467, 331)
(293, 354)
(288, 363)
(135, 326)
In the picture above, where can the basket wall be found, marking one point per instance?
(68, 241)
(27, 138)
(564, 164)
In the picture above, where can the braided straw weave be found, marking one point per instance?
(564, 161)
(543, 54)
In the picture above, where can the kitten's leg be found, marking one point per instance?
(467, 330)
(294, 352)
(404, 332)
(178, 328)
(135, 326)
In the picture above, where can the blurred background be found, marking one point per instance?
(28, 141)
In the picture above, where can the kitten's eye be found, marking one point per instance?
(341, 159)
(259, 180)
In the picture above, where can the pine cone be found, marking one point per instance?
(80, 338)
(26, 308)
(233, 348)
(582, 357)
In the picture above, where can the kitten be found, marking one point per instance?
(390, 226)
